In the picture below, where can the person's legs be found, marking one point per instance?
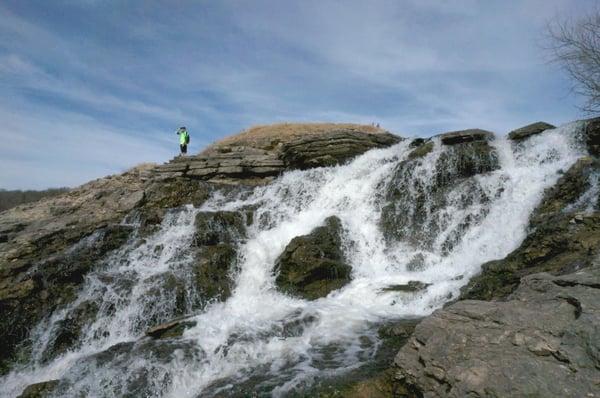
(183, 148)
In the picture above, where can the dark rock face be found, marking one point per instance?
(311, 266)
(30, 289)
(529, 130)
(234, 164)
(400, 220)
(332, 149)
(39, 390)
(462, 136)
(592, 136)
(217, 234)
(562, 238)
(543, 341)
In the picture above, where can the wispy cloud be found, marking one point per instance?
(89, 88)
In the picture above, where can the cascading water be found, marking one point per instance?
(274, 342)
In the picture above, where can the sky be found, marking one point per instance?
(93, 87)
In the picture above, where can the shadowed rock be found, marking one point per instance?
(462, 136)
(529, 130)
(311, 266)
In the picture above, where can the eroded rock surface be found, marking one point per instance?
(311, 266)
(543, 341)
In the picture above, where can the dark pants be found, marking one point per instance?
(183, 148)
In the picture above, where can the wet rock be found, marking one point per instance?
(542, 341)
(529, 130)
(409, 201)
(417, 263)
(171, 329)
(462, 136)
(219, 227)
(69, 329)
(311, 266)
(410, 287)
(554, 243)
(39, 390)
(33, 289)
(213, 270)
(421, 150)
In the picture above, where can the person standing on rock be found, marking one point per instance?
(184, 139)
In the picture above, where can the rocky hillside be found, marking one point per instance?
(525, 326)
(258, 155)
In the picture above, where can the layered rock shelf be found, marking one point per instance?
(255, 158)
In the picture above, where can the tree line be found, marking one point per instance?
(10, 199)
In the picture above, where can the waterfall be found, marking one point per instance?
(276, 342)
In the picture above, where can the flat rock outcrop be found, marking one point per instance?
(260, 154)
(529, 130)
(462, 136)
(543, 341)
(311, 266)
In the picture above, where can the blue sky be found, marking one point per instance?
(92, 87)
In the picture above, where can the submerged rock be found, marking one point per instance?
(529, 130)
(39, 390)
(312, 266)
(542, 341)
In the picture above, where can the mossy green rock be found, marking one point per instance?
(313, 265)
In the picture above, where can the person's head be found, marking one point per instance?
(182, 128)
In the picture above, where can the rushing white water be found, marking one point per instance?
(278, 342)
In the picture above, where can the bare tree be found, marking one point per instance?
(576, 47)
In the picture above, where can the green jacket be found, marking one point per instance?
(183, 137)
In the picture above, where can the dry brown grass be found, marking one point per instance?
(263, 135)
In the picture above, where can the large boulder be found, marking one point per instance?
(543, 341)
(311, 266)
(529, 130)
